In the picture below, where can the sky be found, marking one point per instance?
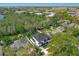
(39, 4)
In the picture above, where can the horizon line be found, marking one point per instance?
(38, 4)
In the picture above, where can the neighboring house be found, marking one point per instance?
(39, 31)
(60, 28)
(50, 14)
(71, 25)
(68, 23)
(39, 13)
(1, 16)
(19, 43)
(31, 12)
(72, 13)
(72, 9)
(54, 25)
(76, 26)
(1, 52)
(50, 34)
(19, 12)
(40, 39)
(65, 22)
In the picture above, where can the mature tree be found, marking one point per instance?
(63, 44)
(75, 32)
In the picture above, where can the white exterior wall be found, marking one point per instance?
(36, 42)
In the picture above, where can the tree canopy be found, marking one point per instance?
(63, 44)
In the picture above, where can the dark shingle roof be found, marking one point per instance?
(41, 37)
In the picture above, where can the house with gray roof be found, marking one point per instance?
(1, 16)
(19, 43)
(65, 22)
(40, 39)
(71, 25)
(60, 28)
(72, 13)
